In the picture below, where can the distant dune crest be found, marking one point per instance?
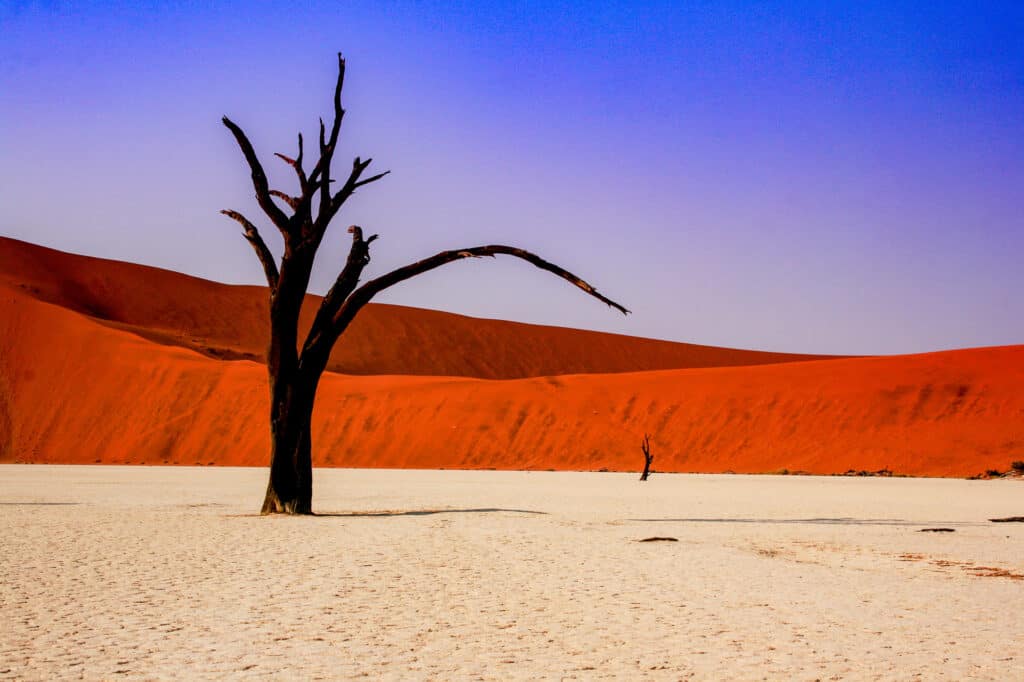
(230, 322)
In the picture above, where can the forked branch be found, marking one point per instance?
(300, 224)
(321, 174)
(350, 186)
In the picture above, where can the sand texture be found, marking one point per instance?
(163, 573)
(75, 390)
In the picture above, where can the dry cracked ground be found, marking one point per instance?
(141, 573)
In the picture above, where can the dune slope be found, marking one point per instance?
(230, 322)
(73, 390)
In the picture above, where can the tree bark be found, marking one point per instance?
(290, 489)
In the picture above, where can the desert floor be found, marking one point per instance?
(163, 572)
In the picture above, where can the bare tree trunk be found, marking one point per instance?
(290, 489)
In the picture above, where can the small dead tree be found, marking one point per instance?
(648, 457)
(295, 369)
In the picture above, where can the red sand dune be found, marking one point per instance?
(74, 389)
(230, 322)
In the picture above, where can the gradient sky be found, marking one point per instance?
(789, 176)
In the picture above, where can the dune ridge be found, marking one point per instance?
(230, 322)
(74, 390)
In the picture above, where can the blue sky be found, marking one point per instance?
(821, 177)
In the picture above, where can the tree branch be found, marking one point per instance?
(290, 200)
(333, 204)
(324, 164)
(296, 163)
(259, 178)
(319, 341)
(321, 173)
(319, 178)
(259, 246)
(374, 178)
(339, 113)
(361, 296)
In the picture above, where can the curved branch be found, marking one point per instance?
(259, 177)
(361, 296)
(288, 199)
(259, 246)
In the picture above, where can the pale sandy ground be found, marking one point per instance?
(162, 573)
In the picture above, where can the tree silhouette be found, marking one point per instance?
(295, 371)
(648, 457)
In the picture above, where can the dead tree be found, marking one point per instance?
(295, 368)
(648, 457)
